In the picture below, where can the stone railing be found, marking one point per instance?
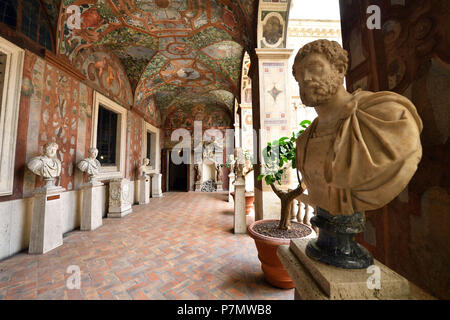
(305, 216)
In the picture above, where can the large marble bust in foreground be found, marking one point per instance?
(363, 148)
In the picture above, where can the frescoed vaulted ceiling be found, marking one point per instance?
(174, 52)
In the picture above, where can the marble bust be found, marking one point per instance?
(143, 170)
(362, 149)
(90, 165)
(47, 165)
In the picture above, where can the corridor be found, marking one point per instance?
(180, 246)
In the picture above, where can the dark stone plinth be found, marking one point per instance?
(336, 243)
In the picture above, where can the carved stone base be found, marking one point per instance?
(91, 214)
(240, 220)
(46, 226)
(198, 187)
(336, 243)
(317, 281)
(119, 198)
(156, 190)
(143, 190)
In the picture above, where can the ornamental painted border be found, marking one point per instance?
(9, 113)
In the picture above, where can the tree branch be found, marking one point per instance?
(295, 193)
(277, 191)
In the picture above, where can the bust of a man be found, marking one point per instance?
(46, 165)
(143, 170)
(362, 149)
(90, 165)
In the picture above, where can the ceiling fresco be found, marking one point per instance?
(173, 51)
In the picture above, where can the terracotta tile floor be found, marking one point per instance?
(177, 247)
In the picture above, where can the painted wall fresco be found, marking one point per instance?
(60, 110)
(410, 234)
(134, 144)
(246, 83)
(105, 73)
(184, 116)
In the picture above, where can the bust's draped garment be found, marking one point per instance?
(45, 166)
(368, 161)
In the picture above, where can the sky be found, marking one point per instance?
(315, 9)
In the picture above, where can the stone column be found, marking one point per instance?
(46, 226)
(230, 186)
(91, 213)
(156, 185)
(119, 198)
(274, 114)
(143, 190)
(240, 220)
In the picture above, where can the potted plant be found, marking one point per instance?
(269, 234)
(249, 194)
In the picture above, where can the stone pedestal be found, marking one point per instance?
(219, 187)
(119, 198)
(46, 226)
(143, 190)
(230, 186)
(198, 186)
(91, 213)
(318, 281)
(156, 185)
(240, 221)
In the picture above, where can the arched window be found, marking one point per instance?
(8, 12)
(33, 20)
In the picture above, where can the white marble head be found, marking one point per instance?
(50, 149)
(93, 153)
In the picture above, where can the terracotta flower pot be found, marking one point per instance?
(271, 265)
(249, 199)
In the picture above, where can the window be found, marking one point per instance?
(108, 136)
(8, 12)
(149, 146)
(30, 14)
(11, 67)
(31, 20)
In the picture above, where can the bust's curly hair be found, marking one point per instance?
(332, 50)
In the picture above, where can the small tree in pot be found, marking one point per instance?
(278, 157)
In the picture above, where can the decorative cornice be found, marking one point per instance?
(269, 53)
(63, 65)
